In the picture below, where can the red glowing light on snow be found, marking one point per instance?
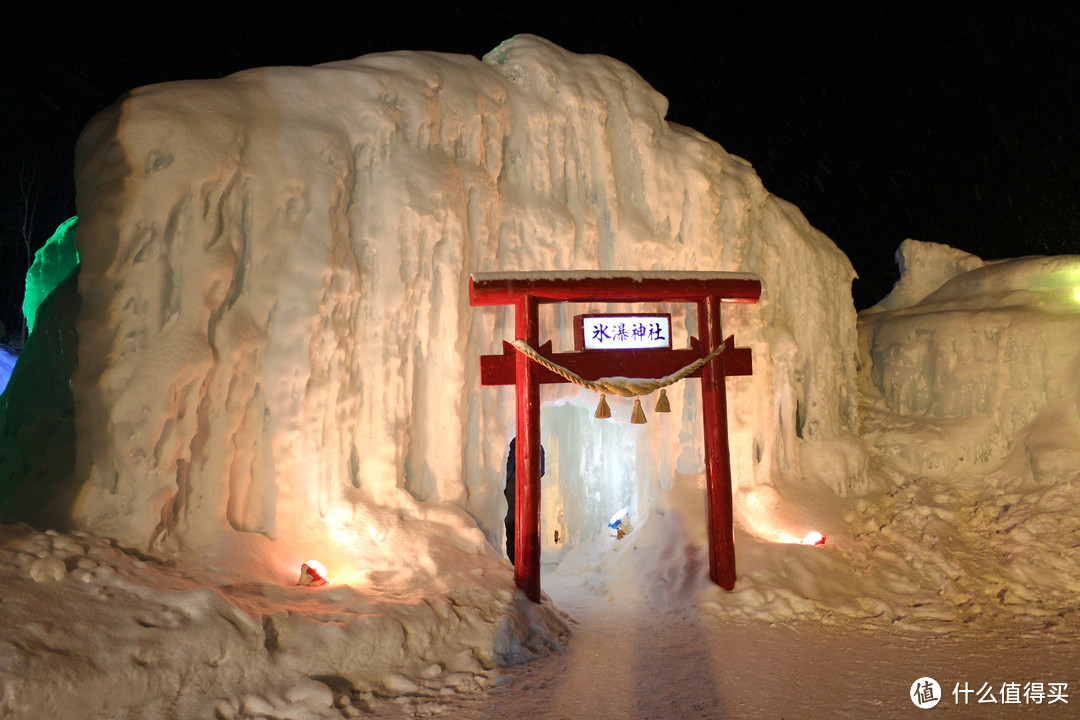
(813, 538)
(312, 574)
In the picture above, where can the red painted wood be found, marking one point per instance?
(735, 288)
(526, 294)
(527, 454)
(736, 361)
(501, 369)
(717, 453)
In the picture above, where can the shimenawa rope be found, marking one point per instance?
(622, 386)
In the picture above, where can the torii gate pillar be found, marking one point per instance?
(718, 501)
(707, 291)
(527, 453)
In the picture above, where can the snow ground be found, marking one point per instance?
(628, 660)
(94, 632)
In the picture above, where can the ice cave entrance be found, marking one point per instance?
(594, 470)
(526, 364)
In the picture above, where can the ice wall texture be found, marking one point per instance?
(276, 330)
(976, 365)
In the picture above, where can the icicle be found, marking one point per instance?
(602, 409)
(638, 416)
(662, 405)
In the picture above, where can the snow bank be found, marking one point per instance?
(93, 631)
(973, 396)
(971, 415)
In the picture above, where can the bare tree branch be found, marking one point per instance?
(27, 182)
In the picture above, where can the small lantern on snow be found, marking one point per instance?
(312, 574)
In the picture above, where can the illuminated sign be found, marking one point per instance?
(622, 332)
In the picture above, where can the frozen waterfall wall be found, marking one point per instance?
(275, 318)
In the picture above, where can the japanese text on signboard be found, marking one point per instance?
(626, 332)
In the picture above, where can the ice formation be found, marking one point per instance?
(973, 411)
(984, 360)
(278, 363)
(924, 267)
(53, 262)
(276, 335)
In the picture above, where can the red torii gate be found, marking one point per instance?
(525, 291)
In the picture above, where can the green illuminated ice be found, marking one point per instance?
(52, 263)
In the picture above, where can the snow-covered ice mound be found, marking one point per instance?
(276, 335)
(973, 399)
(980, 377)
(277, 360)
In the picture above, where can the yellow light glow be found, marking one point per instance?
(811, 538)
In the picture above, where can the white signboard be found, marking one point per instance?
(623, 332)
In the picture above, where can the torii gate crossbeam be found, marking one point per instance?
(707, 291)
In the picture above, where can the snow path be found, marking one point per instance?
(629, 661)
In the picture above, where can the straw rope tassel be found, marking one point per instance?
(638, 416)
(662, 404)
(602, 410)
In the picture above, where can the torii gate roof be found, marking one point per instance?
(505, 288)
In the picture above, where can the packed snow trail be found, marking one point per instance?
(629, 661)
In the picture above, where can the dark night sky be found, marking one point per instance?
(880, 121)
